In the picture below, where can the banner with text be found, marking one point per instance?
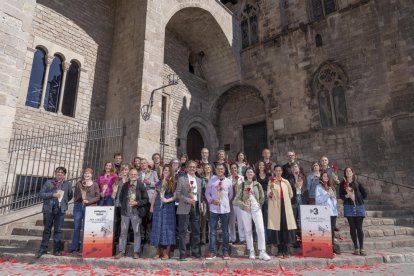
(316, 231)
(98, 232)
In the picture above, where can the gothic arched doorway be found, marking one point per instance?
(195, 143)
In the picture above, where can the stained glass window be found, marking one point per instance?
(71, 87)
(34, 92)
(321, 8)
(329, 83)
(54, 84)
(249, 25)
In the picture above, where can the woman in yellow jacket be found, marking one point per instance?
(280, 212)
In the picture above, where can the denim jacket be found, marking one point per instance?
(50, 202)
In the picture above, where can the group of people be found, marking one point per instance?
(164, 201)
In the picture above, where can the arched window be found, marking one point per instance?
(329, 84)
(71, 87)
(321, 8)
(249, 25)
(54, 84)
(318, 40)
(37, 75)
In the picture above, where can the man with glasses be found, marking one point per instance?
(189, 196)
(287, 168)
(134, 206)
(56, 194)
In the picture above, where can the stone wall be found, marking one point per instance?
(188, 98)
(372, 42)
(77, 30)
(16, 19)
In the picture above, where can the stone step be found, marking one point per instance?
(29, 243)
(378, 231)
(388, 213)
(379, 243)
(37, 231)
(67, 223)
(368, 221)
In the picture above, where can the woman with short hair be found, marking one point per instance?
(281, 218)
(86, 194)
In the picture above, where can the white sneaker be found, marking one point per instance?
(252, 255)
(263, 256)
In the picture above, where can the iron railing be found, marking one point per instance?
(34, 153)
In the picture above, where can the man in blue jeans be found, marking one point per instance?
(219, 192)
(56, 194)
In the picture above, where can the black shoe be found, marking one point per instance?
(57, 253)
(196, 256)
(336, 229)
(181, 259)
(40, 253)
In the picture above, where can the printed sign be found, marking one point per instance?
(316, 231)
(98, 232)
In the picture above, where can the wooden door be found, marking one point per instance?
(254, 141)
(195, 143)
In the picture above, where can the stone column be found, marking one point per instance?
(65, 67)
(49, 61)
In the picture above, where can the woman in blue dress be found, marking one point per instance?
(163, 219)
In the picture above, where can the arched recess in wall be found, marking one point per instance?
(204, 127)
(239, 117)
(195, 31)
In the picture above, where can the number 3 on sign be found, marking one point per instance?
(314, 211)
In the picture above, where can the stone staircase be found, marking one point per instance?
(385, 227)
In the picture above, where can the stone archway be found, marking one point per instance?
(235, 114)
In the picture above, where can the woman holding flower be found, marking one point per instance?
(249, 199)
(241, 162)
(281, 218)
(353, 195)
(325, 195)
(105, 182)
(163, 219)
(86, 194)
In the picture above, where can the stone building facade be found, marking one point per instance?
(322, 77)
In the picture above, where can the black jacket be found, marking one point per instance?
(141, 197)
(359, 190)
(304, 190)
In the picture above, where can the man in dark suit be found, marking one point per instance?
(287, 168)
(56, 194)
(189, 195)
(134, 206)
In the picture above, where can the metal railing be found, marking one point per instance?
(34, 153)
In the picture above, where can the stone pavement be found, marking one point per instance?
(13, 267)
(346, 260)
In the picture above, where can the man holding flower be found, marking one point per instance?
(56, 193)
(188, 193)
(134, 206)
(219, 192)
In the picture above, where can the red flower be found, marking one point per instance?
(236, 177)
(271, 179)
(248, 189)
(335, 167)
(149, 166)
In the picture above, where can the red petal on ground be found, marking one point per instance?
(332, 266)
